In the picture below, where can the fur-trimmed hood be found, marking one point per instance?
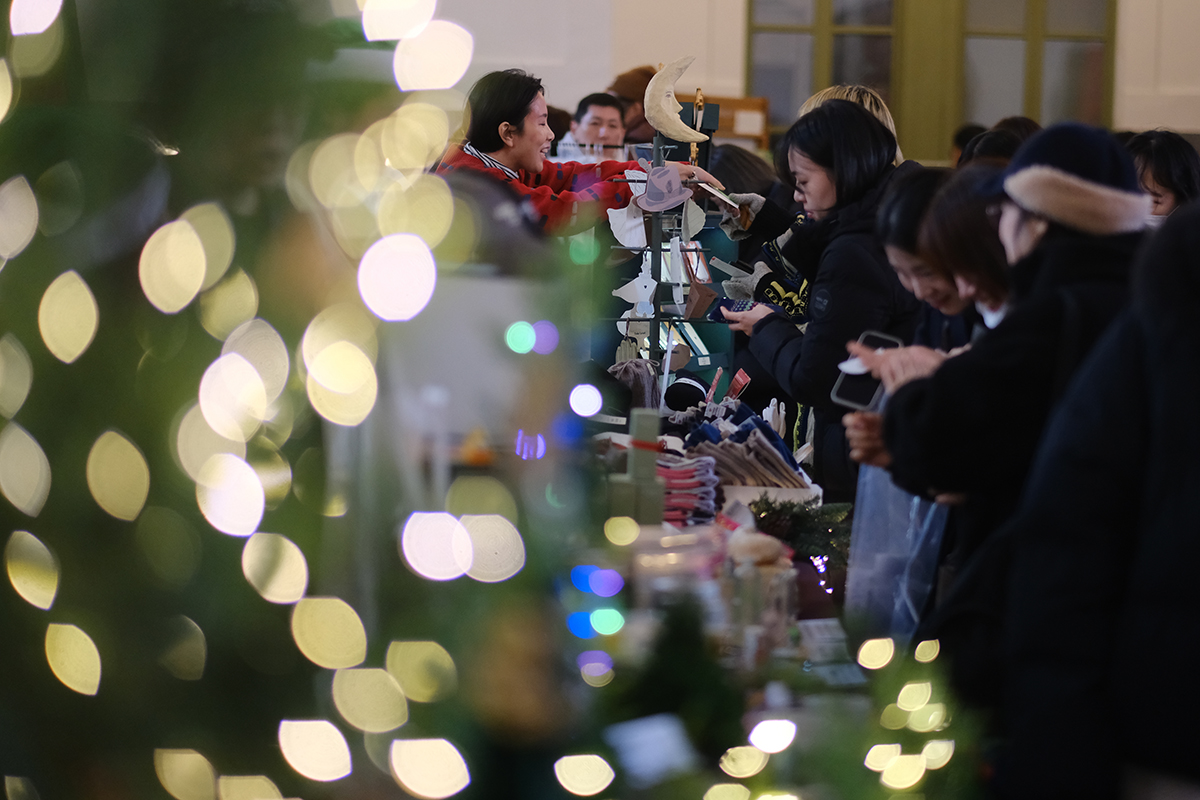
(1079, 177)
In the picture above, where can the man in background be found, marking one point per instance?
(597, 130)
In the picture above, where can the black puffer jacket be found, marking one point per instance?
(974, 425)
(1103, 605)
(852, 289)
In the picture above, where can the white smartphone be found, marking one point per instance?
(863, 392)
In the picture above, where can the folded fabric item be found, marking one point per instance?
(641, 376)
(770, 437)
(754, 462)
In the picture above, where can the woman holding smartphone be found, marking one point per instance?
(838, 159)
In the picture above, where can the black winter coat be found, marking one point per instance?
(1103, 595)
(852, 289)
(974, 425)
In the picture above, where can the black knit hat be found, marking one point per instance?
(1078, 176)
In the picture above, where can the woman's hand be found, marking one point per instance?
(864, 432)
(898, 366)
(689, 172)
(743, 321)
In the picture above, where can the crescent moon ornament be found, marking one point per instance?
(661, 107)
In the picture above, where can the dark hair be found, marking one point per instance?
(994, 145)
(1171, 161)
(844, 138)
(958, 238)
(966, 133)
(598, 99)
(740, 170)
(495, 98)
(1021, 127)
(904, 204)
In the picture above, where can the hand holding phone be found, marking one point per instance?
(858, 388)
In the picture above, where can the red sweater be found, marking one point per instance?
(567, 197)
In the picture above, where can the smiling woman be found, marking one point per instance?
(508, 138)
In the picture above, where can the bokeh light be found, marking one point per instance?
(169, 544)
(880, 755)
(369, 699)
(579, 623)
(341, 384)
(215, 232)
(32, 569)
(263, 348)
(19, 788)
(497, 550)
(929, 717)
(893, 717)
(73, 658)
(876, 653)
(388, 20)
(621, 531)
(18, 208)
(903, 772)
(727, 791)
(914, 695)
(35, 54)
(607, 621)
(16, 375)
(233, 397)
(186, 651)
(247, 787)
(397, 276)
(480, 494)
(743, 761)
(436, 546)
(423, 208)
(424, 670)
(230, 495)
(173, 267)
(315, 748)
(927, 651)
(431, 768)
(24, 470)
(606, 582)
(329, 632)
(937, 753)
(414, 136)
(60, 198)
(331, 172)
(596, 661)
(343, 322)
(581, 575)
(196, 442)
(118, 476)
(597, 679)
(68, 317)
(436, 58)
(530, 447)
(773, 735)
(583, 775)
(6, 96)
(232, 302)
(32, 16)
(275, 567)
(185, 774)
(545, 337)
(586, 400)
(520, 337)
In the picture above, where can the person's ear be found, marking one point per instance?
(508, 133)
(574, 127)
